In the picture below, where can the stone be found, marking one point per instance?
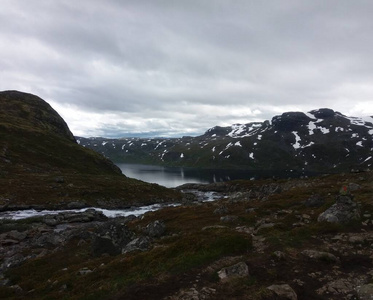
(314, 201)
(155, 229)
(337, 287)
(284, 291)
(354, 186)
(214, 227)
(238, 270)
(365, 292)
(19, 236)
(279, 255)
(59, 179)
(221, 210)
(228, 219)
(140, 243)
(84, 271)
(320, 255)
(342, 212)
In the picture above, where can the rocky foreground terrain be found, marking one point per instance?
(287, 239)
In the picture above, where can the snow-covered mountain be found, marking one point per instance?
(321, 140)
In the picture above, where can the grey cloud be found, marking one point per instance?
(171, 60)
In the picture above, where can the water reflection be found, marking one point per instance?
(172, 177)
(168, 177)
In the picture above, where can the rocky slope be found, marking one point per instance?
(41, 164)
(285, 239)
(322, 140)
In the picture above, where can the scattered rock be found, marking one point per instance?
(214, 227)
(284, 291)
(140, 243)
(354, 187)
(238, 270)
(155, 229)
(319, 255)
(59, 179)
(343, 211)
(279, 255)
(228, 219)
(337, 287)
(365, 292)
(84, 271)
(221, 210)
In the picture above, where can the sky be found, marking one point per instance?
(120, 68)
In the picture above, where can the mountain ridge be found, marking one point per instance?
(322, 140)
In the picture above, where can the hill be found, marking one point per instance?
(321, 140)
(42, 165)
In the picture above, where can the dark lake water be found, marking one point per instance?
(172, 177)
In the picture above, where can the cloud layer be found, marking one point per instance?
(172, 68)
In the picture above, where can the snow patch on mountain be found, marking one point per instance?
(296, 145)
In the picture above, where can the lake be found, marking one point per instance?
(175, 176)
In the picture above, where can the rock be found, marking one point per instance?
(319, 255)
(19, 236)
(228, 219)
(214, 227)
(314, 201)
(238, 270)
(74, 217)
(337, 287)
(365, 292)
(59, 179)
(221, 210)
(141, 243)
(343, 211)
(284, 291)
(356, 239)
(155, 229)
(354, 186)
(84, 271)
(279, 255)
(264, 225)
(17, 289)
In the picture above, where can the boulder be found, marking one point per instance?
(228, 219)
(111, 237)
(221, 210)
(140, 243)
(343, 211)
(283, 291)
(320, 255)
(155, 229)
(238, 270)
(365, 292)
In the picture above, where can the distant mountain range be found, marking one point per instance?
(321, 140)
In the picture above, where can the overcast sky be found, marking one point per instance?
(117, 68)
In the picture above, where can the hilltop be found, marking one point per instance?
(322, 140)
(41, 164)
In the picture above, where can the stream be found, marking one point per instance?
(110, 213)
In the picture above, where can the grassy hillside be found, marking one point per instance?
(41, 163)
